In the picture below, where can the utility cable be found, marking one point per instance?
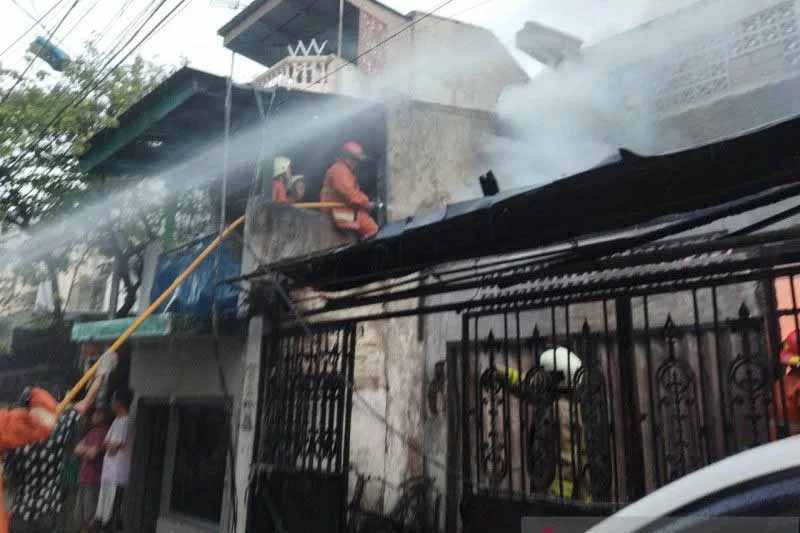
(21, 76)
(78, 22)
(215, 300)
(86, 90)
(37, 22)
(28, 13)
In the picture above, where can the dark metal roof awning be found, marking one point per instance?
(154, 129)
(633, 191)
(185, 116)
(262, 31)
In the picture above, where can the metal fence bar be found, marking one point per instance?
(465, 407)
(507, 409)
(724, 419)
(557, 442)
(478, 410)
(654, 428)
(702, 369)
(611, 411)
(522, 409)
(574, 442)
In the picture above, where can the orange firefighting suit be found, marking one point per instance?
(279, 191)
(341, 186)
(18, 428)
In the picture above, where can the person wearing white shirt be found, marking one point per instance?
(116, 464)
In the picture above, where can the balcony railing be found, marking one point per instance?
(309, 73)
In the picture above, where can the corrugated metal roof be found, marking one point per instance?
(630, 192)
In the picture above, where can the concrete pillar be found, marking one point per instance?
(248, 412)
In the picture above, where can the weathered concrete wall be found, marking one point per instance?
(434, 155)
(276, 231)
(438, 60)
(186, 369)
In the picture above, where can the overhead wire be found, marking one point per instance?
(36, 56)
(30, 15)
(215, 327)
(78, 22)
(26, 32)
(93, 83)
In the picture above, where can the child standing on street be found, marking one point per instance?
(90, 452)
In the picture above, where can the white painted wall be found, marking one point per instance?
(175, 369)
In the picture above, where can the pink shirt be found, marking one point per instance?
(91, 468)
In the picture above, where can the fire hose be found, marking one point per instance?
(131, 329)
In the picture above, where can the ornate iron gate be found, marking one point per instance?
(584, 402)
(304, 433)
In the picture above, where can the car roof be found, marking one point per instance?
(738, 468)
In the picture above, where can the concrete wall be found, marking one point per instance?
(434, 155)
(433, 59)
(185, 369)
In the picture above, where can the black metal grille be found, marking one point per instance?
(595, 402)
(307, 401)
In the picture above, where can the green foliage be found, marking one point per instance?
(39, 176)
(45, 180)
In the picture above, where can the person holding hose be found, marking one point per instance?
(37, 468)
(341, 186)
(30, 423)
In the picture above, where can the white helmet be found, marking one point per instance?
(280, 165)
(556, 360)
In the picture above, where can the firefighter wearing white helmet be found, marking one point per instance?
(560, 359)
(281, 175)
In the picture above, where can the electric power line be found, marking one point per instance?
(38, 53)
(26, 32)
(93, 83)
(78, 22)
(28, 13)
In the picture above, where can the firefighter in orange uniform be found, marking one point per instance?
(21, 426)
(341, 186)
(790, 358)
(281, 175)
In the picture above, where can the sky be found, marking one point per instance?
(192, 32)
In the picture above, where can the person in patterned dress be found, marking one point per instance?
(37, 469)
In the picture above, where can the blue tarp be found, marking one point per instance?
(193, 297)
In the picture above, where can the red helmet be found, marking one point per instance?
(355, 150)
(789, 350)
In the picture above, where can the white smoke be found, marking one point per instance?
(576, 116)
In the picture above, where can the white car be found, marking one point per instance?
(760, 487)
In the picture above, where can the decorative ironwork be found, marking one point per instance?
(677, 400)
(539, 390)
(493, 445)
(307, 403)
(590, 392)
(748, 379)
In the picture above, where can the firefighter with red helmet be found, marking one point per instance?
(341, 186)
(790, 359)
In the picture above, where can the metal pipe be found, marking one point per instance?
(341, 28)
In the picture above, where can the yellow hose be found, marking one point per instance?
(318, 205)
(149, 311)
(158, 301)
